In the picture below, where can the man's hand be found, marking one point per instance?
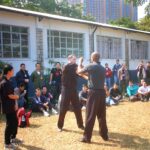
(26, 80)
(80, 62)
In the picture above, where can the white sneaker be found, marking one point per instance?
(16, 141)
(46, 114)
(54, 111)
(9, 147)
(83, 107)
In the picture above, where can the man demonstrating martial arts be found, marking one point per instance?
(96, 98)
(69, 93)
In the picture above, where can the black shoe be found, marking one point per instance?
(84, 140)
(81, 127)
(105, 138)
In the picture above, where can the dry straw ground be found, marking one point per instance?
(128, 124)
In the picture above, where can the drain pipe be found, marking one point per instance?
(93, 40)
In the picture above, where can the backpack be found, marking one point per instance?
(23, 117)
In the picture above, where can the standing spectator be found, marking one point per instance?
(9, 109)
(116, 67)
(83, 94)
(21, 92)
(55, 82)
(96, 106)
(69, 93)
(123, 76)
(114, 95)
(1, 78)
(22, 77)
(108, 74)
(148, 73)
(132, 91)
(141, 74)
(144, 92)
(37, 77)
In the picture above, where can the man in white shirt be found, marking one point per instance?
(144, 92)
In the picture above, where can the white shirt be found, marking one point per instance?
(144, 90)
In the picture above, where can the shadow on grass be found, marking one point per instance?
(34, 126)
(29, 147)
(120, 140)
(125, 141)
(130, 141)
(73, 131)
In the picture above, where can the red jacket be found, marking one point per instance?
(108, 72)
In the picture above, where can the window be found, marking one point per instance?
(13, 42)
(139, 49)
(109, 47)
(61, 44)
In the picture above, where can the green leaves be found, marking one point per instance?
(50, 6)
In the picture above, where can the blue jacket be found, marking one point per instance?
(132, 90)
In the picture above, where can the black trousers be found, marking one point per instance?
(95, 107)
(69, 96)
(11, 127)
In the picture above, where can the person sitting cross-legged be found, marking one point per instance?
(83, 96)
(132, 91)
(48, 97)
(114, 95)
(40, 103)
(144, 92)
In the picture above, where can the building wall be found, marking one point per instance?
(33, 23)
(25, 21)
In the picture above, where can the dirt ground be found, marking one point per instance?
(128, 124)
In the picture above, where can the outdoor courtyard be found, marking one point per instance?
(128, 124)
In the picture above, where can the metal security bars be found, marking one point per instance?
(61, 44)
(109, 47)
(13, 42)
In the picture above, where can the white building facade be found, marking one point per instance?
(29, 37)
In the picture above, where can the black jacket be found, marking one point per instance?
(21, 76)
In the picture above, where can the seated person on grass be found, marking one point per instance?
(48, 97)
(132, 91)
(40, 103)
(83, 94)
(107, 94)
(114, 95)
(144, 92)
(21, 92)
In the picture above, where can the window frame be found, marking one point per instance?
(20, 32)
(71, 40)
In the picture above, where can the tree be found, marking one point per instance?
(50, 6)
(144, 23)
(140, 2)
(124, 22)
(136, 2)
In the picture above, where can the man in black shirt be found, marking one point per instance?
(96, 98)
(148, 73)
(55, 82)
(69, 93)
(9, 107)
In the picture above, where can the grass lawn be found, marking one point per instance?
(128, 124)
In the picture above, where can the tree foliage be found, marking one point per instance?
(140, 2)
(144, 23)
(124, 22)
(50, 6)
